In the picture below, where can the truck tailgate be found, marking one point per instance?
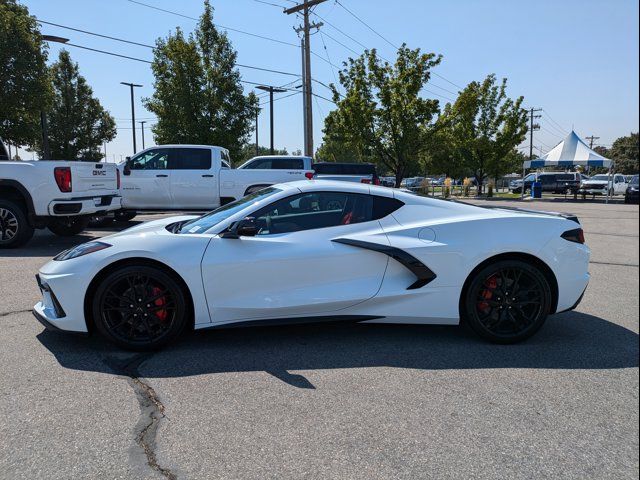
(94, 178)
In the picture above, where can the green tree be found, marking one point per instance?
(624, 152)
(198, 94)
(24, 84)
(485, 127)
(382, 115)
(78, 124)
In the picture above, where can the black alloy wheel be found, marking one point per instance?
(507, 302)
(139, 308)
(15, 229)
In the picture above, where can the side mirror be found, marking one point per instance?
(126, 170)
(243, 228)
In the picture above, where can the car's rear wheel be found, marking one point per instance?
(507, 302)
(139, 308)
(15, 229)
(69, 226)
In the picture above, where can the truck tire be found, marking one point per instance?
(68, 226)
(124, 215)
(99, 221)
(15, 229)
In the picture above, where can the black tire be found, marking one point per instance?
(127, 306)
(507, 301)
(68, 226)
(124, 215)
(100, 221)
(15, 229)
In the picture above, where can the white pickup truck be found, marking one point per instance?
(57, 195)
(191, 177)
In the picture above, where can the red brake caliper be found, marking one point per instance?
(161, 313)
(486, 294)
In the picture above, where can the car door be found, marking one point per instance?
(620, 184)
(293, 267)
(145, 181)
(194, 181)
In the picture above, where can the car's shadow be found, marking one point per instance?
(568, 341)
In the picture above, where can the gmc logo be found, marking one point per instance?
(99, 173)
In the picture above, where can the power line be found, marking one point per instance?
(339, 30)
(252, 67)
(263, 37)
(280, 98)
(365, 24)
(558, 125)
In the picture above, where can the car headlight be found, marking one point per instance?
(80, 250)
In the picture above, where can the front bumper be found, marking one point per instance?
(592, 191)
(84, 205)
(60, 308)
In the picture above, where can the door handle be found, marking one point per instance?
(207, 176)
(162, 175)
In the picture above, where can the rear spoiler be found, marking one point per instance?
(568, 216)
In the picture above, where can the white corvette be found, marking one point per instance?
(315, 251)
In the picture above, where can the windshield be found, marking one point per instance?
(211, 219)
(600, 177)
(634, 180)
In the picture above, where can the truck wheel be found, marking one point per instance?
(100, 221)
(15, 229)
(124, 215)
(69, 226)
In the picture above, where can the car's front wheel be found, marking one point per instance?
(139, 308)
(507, 302)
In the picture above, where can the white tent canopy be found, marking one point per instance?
(570, 152)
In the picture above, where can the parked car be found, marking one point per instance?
(347, 172)
(604, 183)
(413, 183)
(57, 195)
(192, 177)
(318, 251)
(276, 162)
(552, 182)
(631, 194)
(388, 181)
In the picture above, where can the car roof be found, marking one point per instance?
(279, 156)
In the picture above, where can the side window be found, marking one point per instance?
(309, 211)
(224, 156)
(285, 163)
(192, 159)
(383, 206)
(547, 179)
(156, 159)
(530, 178)
(260, 163)
(224, 164)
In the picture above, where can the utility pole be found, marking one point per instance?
(142, 122)
(271, 89)
(133, 113)
(591, 139)
(532, 127)
(306, 49)
(257, 144)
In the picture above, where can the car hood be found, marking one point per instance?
(153, 226)
(594, 182)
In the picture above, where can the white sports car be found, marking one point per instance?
(316, 251)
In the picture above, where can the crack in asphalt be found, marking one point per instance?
(616, 264)
(6, 314)
(151, 411)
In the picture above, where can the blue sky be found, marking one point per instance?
(578, 60)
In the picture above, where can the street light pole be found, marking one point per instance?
(142, 122)
(133, 112)
(271, 89)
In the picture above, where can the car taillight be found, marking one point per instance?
(576, 235)
(63, 178)
(117, 178)
(365, 180)
(309, 175)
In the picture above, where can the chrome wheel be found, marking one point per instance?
(8, 225)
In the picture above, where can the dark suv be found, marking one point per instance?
(553, 182)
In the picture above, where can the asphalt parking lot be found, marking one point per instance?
(360, 401)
